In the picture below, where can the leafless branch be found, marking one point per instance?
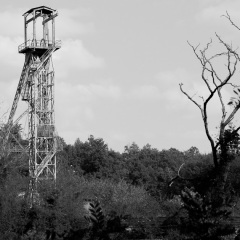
(233, 85)
(180, 169)
(195, 51)
(190, 98)
(229, 48)
(230, 20)
(179, 176)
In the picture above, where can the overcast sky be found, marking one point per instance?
(117, 74)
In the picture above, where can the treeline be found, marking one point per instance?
(104, 194)
(147, 167)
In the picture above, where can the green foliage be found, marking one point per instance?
(208, 218)
(120, 197)
(95, 217)
(61, 212)
(146, 167)
(174, 234)
(98, 226)
(230, 142)
(132, 187)
(172, 206)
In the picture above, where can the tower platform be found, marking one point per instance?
(39, 46)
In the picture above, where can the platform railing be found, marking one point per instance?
(44, 44)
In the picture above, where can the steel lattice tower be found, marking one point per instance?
(36, 88)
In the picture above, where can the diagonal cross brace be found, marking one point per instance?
(43, 164)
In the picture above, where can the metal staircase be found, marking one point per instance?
(22, 82)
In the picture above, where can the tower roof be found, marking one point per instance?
(44, 9)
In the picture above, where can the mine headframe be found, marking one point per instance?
(36, 88)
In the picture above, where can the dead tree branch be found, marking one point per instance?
(179, 176)
(215, 83)
(230, 20)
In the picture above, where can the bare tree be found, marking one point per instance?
(216, 80)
